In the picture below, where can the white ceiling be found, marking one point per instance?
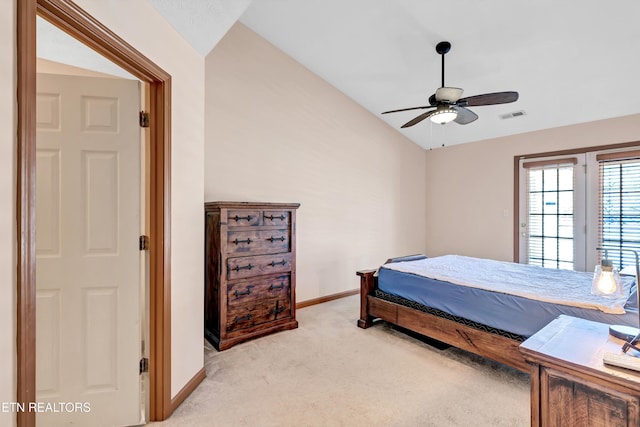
(201, 22)
(571, 61)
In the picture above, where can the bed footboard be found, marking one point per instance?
(499, 348)
(368, 284)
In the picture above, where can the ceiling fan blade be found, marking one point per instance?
(488, 99)
(407, 109)
(465, 116)
(418, 119)
(448, 94)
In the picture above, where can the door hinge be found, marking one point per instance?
(144, 119)
(144, 243)
(144, 365)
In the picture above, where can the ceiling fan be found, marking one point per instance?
(446, 104)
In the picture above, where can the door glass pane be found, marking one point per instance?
(550, 200)
(535, 225)
(535, 250)
(550, 226)
(550, 249)
(535, 202)
(565, 250)
(551, 216)
(550, 177)
(565, 226)
(565, 179)
(565, 202)
(535, 180)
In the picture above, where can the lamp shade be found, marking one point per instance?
(606, 280)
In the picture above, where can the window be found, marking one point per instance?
(549, 210)
(619, 207)
(568, 206)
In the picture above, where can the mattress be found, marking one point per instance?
(515, 314)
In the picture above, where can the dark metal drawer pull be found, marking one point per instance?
(276, 310)
(247, 292)
(248, 241)
(281, 217)
(242, 319)
(271, 239)
(246, 267)
(273, 263)
(280, 286)
(239, 218)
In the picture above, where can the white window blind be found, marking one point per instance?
(619, 207)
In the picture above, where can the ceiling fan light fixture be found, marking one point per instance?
(443, 114)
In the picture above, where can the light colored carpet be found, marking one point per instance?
(329, 372)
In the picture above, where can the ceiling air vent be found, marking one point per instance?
(513, 114)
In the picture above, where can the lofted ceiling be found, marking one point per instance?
(570, 61)
(202, 23)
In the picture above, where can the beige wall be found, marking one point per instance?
(7, 209)
(156, 39)
(276, 132)
(470, 186)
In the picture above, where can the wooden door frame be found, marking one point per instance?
(70, 18)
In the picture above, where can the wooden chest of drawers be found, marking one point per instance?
(250, 270)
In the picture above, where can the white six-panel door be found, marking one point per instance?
(88, 260)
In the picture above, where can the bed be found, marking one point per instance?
(472, 313)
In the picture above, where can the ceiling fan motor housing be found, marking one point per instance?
(449, 95)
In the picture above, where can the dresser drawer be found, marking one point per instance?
(243, 218)
(250, 266)
(261, 241)
(276, 217)
(247, 291)
(243, 316)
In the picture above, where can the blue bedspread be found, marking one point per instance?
(511, 313)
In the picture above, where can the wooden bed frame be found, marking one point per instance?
(492, 346)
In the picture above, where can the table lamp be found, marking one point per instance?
(606, 282)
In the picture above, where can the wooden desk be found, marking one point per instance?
(571, 386)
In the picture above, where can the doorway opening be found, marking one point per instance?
(68, 17)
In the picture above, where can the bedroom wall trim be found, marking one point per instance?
(67, 16)
(187, 389)
(516, 179)
(25, 208)
(327, 298)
